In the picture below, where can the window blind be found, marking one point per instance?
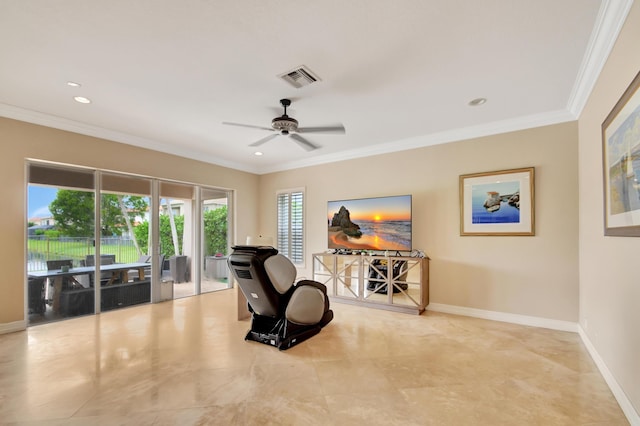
(290, 207)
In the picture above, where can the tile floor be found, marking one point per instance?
(184, 362)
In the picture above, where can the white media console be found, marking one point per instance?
(365, 280)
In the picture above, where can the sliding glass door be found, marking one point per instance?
(60, 236)
(176, 235)
(125, 247)
(156, 240)
(214, 205)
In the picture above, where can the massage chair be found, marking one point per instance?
(284, 313)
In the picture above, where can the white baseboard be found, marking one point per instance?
(505, 317)
(12, 327)
(618, 393)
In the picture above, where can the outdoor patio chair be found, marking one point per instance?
(105, 259)
(36, 296)
(134, 275)
(52, 265)
(57, 264)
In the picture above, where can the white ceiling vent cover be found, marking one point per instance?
(299, 77)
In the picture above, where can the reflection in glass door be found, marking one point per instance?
(215, 228)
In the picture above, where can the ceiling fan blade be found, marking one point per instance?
(247, 125)
(303, 142)
(264, 140)
(339, 130)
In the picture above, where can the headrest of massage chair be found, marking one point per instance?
(281, 272)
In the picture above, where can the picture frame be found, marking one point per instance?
(621, 164)
(499, 203)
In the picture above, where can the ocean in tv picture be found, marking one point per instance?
(397, 232)
(506, 214)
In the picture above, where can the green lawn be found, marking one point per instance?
(78, 249)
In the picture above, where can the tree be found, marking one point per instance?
(167, 247)
(215, 231)
(114, 215)
(123, 210)
(143, 236)
(73, 212)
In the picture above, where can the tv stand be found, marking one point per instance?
(395, 283)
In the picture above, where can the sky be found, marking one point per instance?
(378, 209)
(39, 199)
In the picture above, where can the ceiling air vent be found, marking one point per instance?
(299, 77)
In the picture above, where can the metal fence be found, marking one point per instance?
(41, 248)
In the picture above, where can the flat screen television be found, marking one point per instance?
(381, 223)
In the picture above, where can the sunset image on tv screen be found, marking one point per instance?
(382, 223)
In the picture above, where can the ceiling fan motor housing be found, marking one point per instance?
(284, 124)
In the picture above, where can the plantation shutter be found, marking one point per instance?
(296, 240)
(290, 207)
(283, 223)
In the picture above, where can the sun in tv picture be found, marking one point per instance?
(382, 223)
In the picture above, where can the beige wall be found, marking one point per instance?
(20, 141)
(535, 276)
(609, 279)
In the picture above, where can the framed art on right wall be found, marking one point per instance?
(621, 165)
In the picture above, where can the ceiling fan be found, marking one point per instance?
(288, 126)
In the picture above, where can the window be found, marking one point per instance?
(291, 224)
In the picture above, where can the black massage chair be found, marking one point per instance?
(284, 313)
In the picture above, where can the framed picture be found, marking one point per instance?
(621, 165)
(497, 203)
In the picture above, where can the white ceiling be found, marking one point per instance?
(165, 74)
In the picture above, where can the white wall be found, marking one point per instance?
(609, 277)
(534, 276)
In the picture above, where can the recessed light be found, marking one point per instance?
(82, 99)
(73, 84)
(258, 153)
(478, 102)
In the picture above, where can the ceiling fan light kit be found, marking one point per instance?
(284, 124)
(288, 126)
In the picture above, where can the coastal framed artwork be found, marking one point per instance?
(497, 203)
(621, 164)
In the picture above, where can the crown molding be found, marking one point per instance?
(60, 123)
(609, 22)
(454, 135)
(504, 126)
